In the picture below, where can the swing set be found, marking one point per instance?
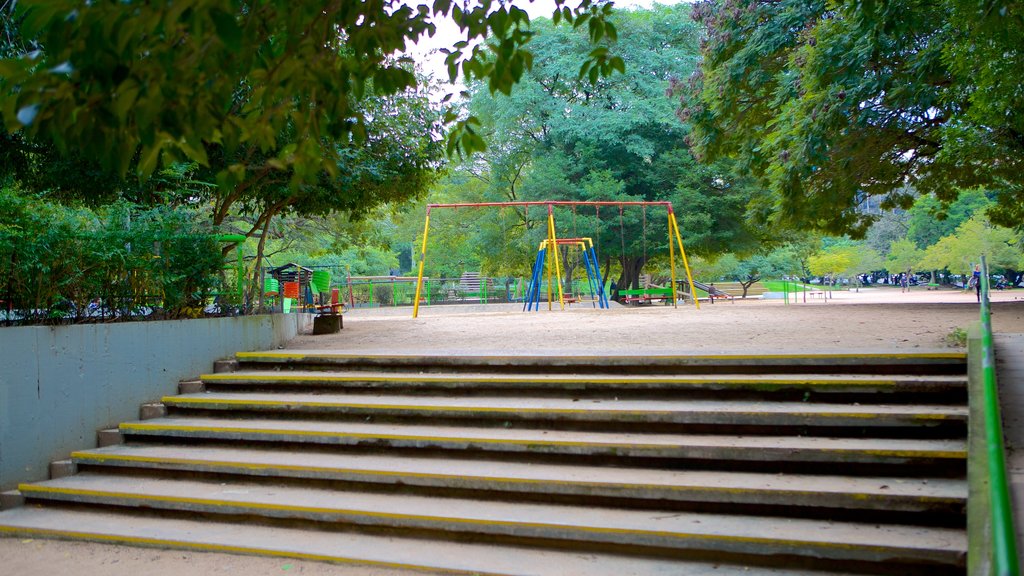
(594, 281)
(553, 265)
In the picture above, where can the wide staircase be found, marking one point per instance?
(780, 464)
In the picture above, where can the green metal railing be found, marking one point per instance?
(1004, 548)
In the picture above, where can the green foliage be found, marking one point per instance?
(132, 86)
(890, 226)
(957, 338)
(833, 262)
(930, 219)
(843, 258)
(560, 137)
(826, 102)
(904, 256)
(781, 261)
(56, 260)
(957, 252)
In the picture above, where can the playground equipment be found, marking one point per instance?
(295, 285)
(674, 238)
(594, 281)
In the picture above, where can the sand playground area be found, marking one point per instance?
(878, 319)
(872, 319)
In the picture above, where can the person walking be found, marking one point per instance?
(976, 278)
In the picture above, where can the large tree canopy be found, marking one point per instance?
(826, 102)
(560, 137)
(136, 85)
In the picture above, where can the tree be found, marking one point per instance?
(768, 263)
(750, 271)
(843, 259)
(957, 252)
(904, 256)
(135, 85)
(930, 219)
(614, 139)
(826, 102)
(891, 226)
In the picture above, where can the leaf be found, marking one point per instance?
(227, 29)
(148, 160)
(584, 69)
(10, 67)
(124, 99)
(611, 32)
(442, 6)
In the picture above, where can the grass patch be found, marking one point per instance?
(957, 338)
(779, 286)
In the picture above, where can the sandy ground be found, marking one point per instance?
(877, 319)
(869, 320)
(34, 557)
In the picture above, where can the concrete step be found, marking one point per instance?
(919, 362)
(610, 410)
(668, 487)
(710, 533)
(528, 441)
(384, 551)
(625, 383)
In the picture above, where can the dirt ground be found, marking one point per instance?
(869, 320)
(878, 319)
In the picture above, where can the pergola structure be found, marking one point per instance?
(673, 235)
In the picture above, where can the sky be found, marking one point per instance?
(426, 50)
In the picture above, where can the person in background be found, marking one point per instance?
(976, 278)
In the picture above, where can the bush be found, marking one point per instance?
(61, 263)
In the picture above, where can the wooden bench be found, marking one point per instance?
(735, 289)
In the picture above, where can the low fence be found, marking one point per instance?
(395, 291)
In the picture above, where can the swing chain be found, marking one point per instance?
(645, 232)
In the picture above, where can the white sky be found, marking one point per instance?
(426, 50)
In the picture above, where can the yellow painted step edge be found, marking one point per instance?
(206, 547)
(815, 356)
(200, 402)
(28, 489)
(426, 378)
(101, 458)
(130, 426)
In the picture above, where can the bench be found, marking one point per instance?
(646, 295)
(735, 289)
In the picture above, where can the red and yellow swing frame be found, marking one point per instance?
(674, 238)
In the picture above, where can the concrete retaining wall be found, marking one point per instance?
(59, 385)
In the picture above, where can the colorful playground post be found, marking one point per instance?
(596, 284)
(423, 258)
(674, 235)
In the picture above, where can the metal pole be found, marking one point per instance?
(423, 258)
(558, 265)
(686, 264)
(672, 260)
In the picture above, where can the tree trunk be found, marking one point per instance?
(747, 284)
(629, 279)
(568, 269)
(257, 280)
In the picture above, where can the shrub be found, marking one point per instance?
(60, 263)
